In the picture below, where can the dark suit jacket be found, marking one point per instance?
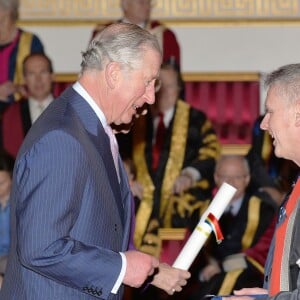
(70, 215)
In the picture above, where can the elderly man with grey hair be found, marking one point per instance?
(72, 214)
(238, 260)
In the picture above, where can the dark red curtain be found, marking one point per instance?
(231, 106)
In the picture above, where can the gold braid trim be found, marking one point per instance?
(256, 264)
(206, 126)
(185, 204)
(146, 205)
(24, 48)
(151, 244)
(175, 160)
(202, 184)
(229, 282)
(214, 148)
(252, 222)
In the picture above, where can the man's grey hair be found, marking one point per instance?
(286, 81)
(12, 6)
(120, 42)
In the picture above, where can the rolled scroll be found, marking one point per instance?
(207, 223)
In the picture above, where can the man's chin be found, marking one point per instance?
(278, 153)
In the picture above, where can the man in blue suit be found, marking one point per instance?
(71, 202)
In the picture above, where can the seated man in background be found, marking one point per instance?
(174, 149)
(233, 263)
(18, 117)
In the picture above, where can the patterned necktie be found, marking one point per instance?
(159, 140)
(113, 147)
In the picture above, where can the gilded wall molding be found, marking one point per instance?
(188, 76)
(91, 11)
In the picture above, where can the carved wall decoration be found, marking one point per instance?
(168, 10)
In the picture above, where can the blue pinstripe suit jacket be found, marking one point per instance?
(70, 215)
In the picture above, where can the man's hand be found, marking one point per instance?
(139, 267)
(182, 183)
(6, 89)
(170, 279)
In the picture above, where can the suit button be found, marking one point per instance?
(116, 227)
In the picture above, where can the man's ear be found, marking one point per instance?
(112, 74)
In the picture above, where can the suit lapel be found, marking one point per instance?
(100, 140)
(103, 145)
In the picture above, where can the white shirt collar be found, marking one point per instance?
(168, 115)
(85, 95)
(44, 102)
